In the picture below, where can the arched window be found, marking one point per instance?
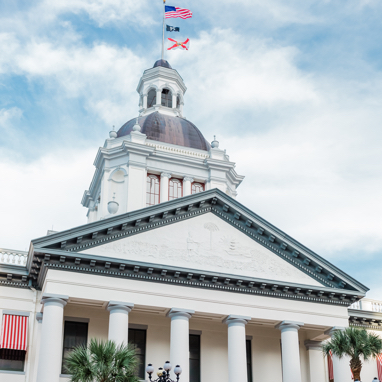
(178, 101)
(166, 98)
(175, 189)
(152, 190)
(197, 187)
(151, 98)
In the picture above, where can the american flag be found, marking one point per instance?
(173, 12)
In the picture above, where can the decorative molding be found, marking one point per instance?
(205, 280)
(16, 313)
(365, 319)
(227, 209)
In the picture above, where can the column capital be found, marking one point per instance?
(50, 298)
(234, 319)
(178, 312)
(165, 175)
(313, 345)
(188, 179)
(334, 329)
(39, 317)
(287, 325)
(114, 305)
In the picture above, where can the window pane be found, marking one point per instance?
(151, 98)
(175, 189)
(152, 190)
(197, 187)
(178, 102)
(75, 334)
(166, 98)
(194, 357)
(137, 337)
(12, 360)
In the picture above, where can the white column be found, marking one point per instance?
(164, 179)
(237, 353)
(180, 341)
(35, 347)
(173, 100)
(316, 361)
(187, 181)
(159, 97)
(119, 321)
(290, 351)
(144, 101)
(341, 367)
(50, 357)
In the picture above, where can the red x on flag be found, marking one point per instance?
(179, 45)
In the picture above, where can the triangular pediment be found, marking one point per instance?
(207, 235)
(206, 243)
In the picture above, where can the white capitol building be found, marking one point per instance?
(171, 262)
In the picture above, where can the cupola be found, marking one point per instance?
(161, 88)
(158, 155)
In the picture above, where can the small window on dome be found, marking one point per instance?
(178, 101)
(175, 189)
(151, 98)
(196, 188)
(166, 98)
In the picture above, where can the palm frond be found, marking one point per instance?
(103, 361)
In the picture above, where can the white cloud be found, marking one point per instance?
(101, 74)
(41, 194)
(230, 72)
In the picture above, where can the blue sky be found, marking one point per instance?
(292, 90)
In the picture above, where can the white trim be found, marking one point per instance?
(16, 313)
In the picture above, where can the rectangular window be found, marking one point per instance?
(137, 337)
(152, 190)
(249, 360)
(75, 334)
(194, 358)
(12, 360)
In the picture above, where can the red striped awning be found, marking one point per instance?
(330, 366)
(379, 366)
(14, 332)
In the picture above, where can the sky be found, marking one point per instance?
(292, 90)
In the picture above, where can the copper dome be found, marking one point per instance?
(168, 129)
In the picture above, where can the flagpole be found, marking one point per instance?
(164, 13)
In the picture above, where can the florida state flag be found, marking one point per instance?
(178, 45)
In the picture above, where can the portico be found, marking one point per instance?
(223, 320)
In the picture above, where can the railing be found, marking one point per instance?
(12, 257)
(367, 304)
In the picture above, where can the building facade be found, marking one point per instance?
(171, 262)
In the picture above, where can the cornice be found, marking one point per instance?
(149, 272)
(217, 164)
(214, 201)
(365, 319)
(164, 74)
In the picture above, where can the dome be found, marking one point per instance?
(163, 63)
(168, 129)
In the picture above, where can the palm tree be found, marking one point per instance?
(354, 343)
(102, 361)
